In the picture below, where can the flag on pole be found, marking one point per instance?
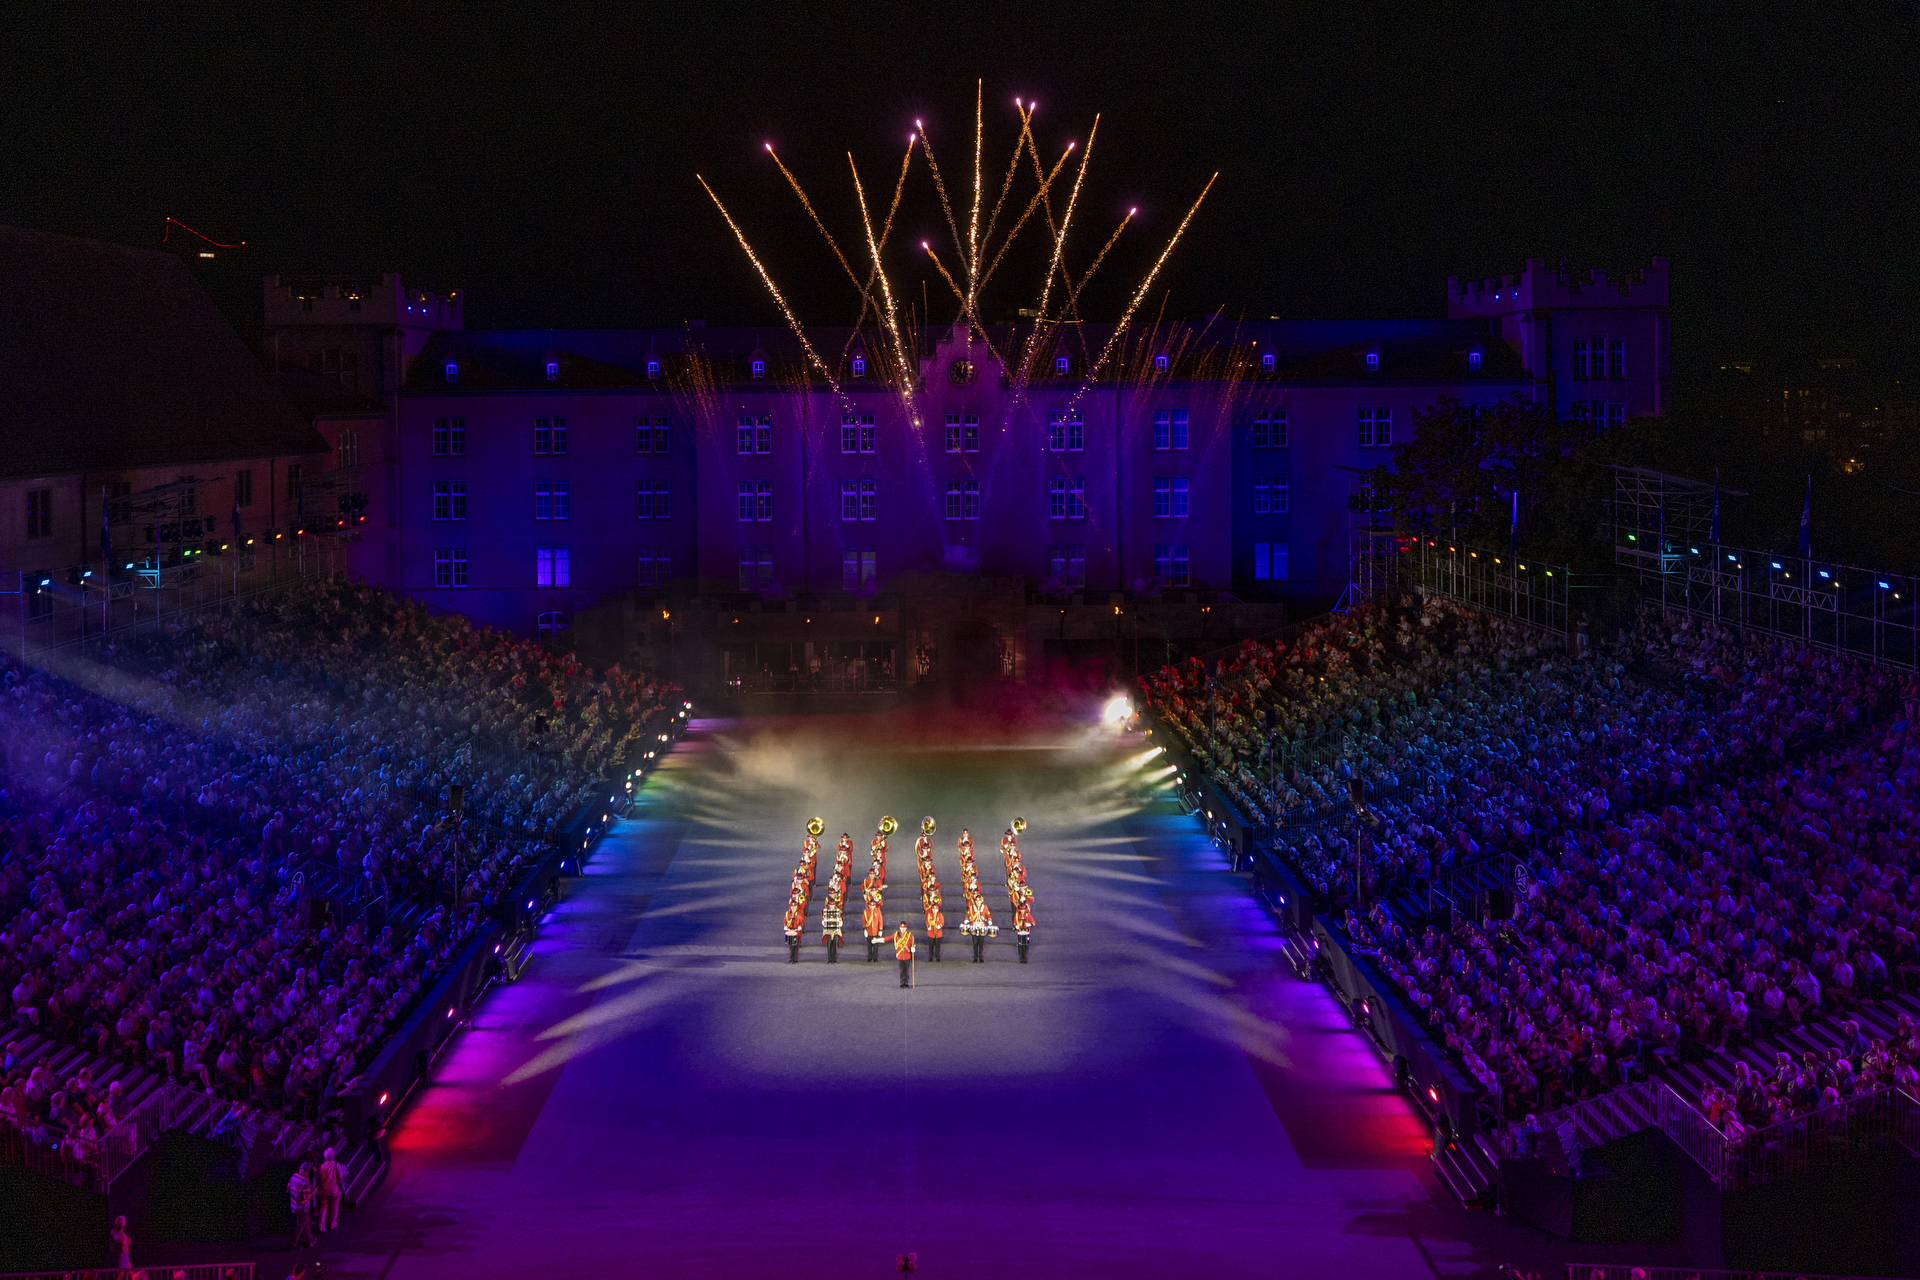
(1713, 529)
(1806, 521)
(106, 531)
(1513, 527)
(236, 519)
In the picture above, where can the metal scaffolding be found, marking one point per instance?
(1656, 514)
(1371, 543)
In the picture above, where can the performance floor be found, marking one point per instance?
(1154, 1095)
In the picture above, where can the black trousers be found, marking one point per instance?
(979, 946)
(793, 951)
(906, 968)
(933, 948)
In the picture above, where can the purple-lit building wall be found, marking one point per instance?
(715, 461)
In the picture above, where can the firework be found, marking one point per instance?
(772, 288)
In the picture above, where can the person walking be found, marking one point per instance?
(300, 1200)
(121, 1244)
(333, 1177)
(903, 952)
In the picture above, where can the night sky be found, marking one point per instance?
(544, 161)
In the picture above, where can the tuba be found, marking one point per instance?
(815, 826)
(888, 826)
(1019, 825)
(926, 825)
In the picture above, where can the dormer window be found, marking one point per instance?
(1060, 365)
(859, 367)
(553, 371)
(1266, 362)
(1373, 362)
(653, 368)
(759, 368)
(1473, 361)
(453, 373)
(1160, 363)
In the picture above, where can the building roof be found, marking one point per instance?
(1425, 350)
(112, 357)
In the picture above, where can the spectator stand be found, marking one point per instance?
(170, 1271)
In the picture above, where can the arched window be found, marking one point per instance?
(554, 625)
(1160, 363)
(759, 368)
(859, 366)
(1266, 362)
(553, 371)
(453, 373)
(1373, 362)
(653, 368)
(1473, 360)
(1060, 365)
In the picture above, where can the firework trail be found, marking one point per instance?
(1126, 317)
(891, 314)
(808, 206)
(772, 288)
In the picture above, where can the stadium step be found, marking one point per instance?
(366, 1166)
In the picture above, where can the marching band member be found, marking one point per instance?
(879, 849)
(903, 951)
(831, 930)
(979, 922)
(936, 924)
(876, 928)
(796, 924)
(800, 893)
(1023, 921)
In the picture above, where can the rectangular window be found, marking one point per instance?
(1616, 415)
(1270, 561)
(457, 440)
(869, 499)
(1069, 561)
(1076, 497)
(1076, 432)
(953, 433)
(763, 434)
(869, 434)
(1162, 428)
(954, 504)
(643, 500)
(550, 567)
(440, 438)
(849, 499)
(656, 566)
(756, 568)
(1179, 578)
(647, 438)
(293, 487)
(1056, 432)
(1269, 495)
(550, 436)
(1057, 498)
(849, 432)
(1376, 428)
(859, 569)
(662, 500)
(559, 435)
(1179, 497)
(1162, 497)
(1179, 426)
(763, 500)
(1616, 358)
(1162, 560)
(662, 435)
(550, 500)
(1582, 359)
(746, 500)
(743, 440)
(39, 513)
(450, 567)
(449, 500)
(970, 433)
(970, 500)
(243, 488)
(1270, 429)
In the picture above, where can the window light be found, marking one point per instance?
(1266, 362)
(453, 372)
(859, 367)
(553, 371)
(1473, 359)
(1160, 363)
(653, 368)
(759, 368)
(1373, 361)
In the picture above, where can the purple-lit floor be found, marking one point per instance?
(663, 1095)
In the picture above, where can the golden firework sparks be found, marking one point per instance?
(772, 288)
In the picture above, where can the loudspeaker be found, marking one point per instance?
(1500, 903)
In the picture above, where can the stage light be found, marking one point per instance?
(449, 1011)
(383, 1100)
(1433, 1093)
(1117, 710)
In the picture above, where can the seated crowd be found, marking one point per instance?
(1720, 830)
(163, 813)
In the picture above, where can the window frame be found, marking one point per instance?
(953, 433)
(1180, 498)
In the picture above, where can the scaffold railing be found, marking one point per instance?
(1532, 592)
(1867, 613)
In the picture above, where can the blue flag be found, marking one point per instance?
(236, 519)
(1806, 521)
(1513, 528)
(1713, 530)
(106, 531)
